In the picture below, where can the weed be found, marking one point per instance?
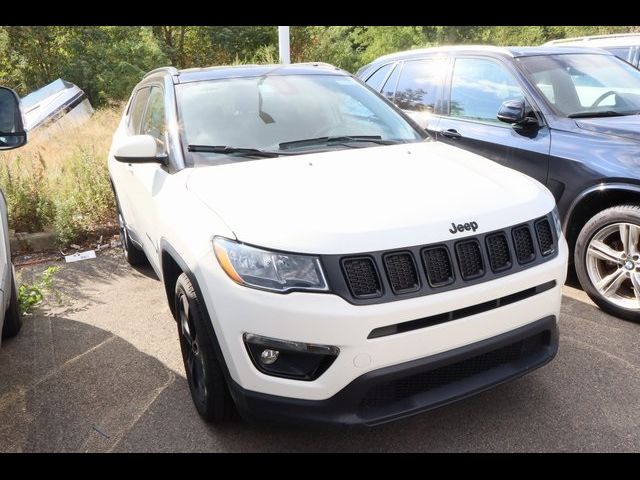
(30, 294)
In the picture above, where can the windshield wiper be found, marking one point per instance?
(251, 152)
(337, 139)
(600, 113)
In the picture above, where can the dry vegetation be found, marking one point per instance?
(59, 180)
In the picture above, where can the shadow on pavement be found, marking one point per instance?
(69, 386)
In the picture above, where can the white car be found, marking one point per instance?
(12, 135)
(325, 261)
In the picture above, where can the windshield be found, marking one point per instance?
(285, 114)
(583, 85)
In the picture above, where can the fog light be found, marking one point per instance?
(269, 356)
(288, 359)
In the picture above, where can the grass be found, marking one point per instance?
(59, 181)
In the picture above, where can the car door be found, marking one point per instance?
(477, 88)
(148, 178)
(123, 172)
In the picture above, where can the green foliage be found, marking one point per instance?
(27, 195)
(60, 180)
(81, 196)
(380, 40)
(107, 61)
(30, 294)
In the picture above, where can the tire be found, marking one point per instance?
(134, 255)
(607, 260)
(12, 317)
(207, 384)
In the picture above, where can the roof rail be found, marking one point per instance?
(169, 70)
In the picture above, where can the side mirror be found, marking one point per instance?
(514, 112)
(139, 149)
(12, 133)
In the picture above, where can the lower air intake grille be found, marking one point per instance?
(469, 259)
(524, 244)
(362, 277)
(437, 263)
(401, 270)
(402, 388)
(498, 250)
(545, 237)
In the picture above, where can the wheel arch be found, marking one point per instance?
(173, 265)
(593, 200)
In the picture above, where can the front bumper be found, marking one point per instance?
(327, 319)
(405, 389)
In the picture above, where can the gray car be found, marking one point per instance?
(12, 135)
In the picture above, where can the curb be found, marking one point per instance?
(33, 242)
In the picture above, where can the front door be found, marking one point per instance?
(478, 86)
(149, 177)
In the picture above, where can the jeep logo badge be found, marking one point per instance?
(462, 227)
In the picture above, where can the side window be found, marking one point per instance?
(478, 88)
(389, 88)
(153, 120)
(137, 109)
(375, 81)
(419, 84)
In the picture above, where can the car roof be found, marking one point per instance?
(512, 52)
(246, 71)
(615, 40)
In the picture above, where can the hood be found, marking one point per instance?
(367, 199)
(626, 126)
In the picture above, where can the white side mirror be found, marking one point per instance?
(139, 149)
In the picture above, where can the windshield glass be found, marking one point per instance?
(585, 84)
(276, 113)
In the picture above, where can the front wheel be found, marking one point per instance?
(206, 381)
(607, 259)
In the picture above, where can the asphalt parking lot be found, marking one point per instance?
(97, 369)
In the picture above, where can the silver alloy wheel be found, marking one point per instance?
(613, 264)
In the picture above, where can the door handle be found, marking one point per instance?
(450, 133)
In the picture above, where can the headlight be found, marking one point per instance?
(269, 270)
(556, 221)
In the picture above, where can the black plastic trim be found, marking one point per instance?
(481, 272)
(459, 313)
(452, 278)
(486, 243)
(415, 269)
(553, 244)
(334, 272)
(343, 409)
(165, 246)
(380, 290)
(534, 243)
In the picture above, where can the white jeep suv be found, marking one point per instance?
(324, 260)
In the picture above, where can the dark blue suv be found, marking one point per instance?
(567, 116)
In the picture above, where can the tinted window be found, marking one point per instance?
(478, 88)
(375, 80)
(419, 84)
(390, 85)
(153, 121)
(137, 109)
